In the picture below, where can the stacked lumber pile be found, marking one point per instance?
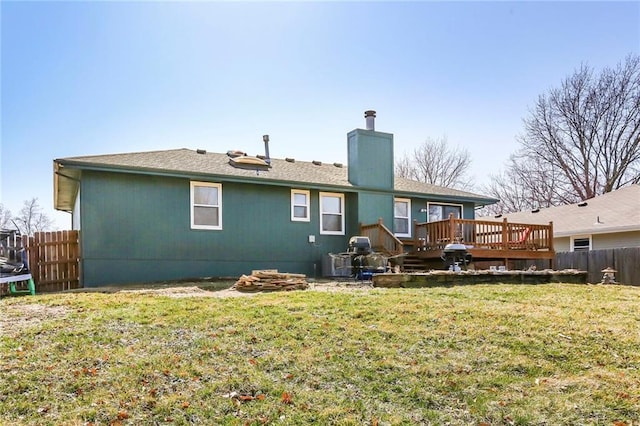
(270, 280)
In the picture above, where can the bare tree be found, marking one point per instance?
(31, 219)
(585, 135)
(5, 217)
(437, 163)
(517, 190)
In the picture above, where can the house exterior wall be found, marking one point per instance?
(373, 206)
(136, 228)
(562, 244)
(609, 240)
(615, 240)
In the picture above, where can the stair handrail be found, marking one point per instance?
(381, 237)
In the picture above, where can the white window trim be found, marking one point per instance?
(192, 205)
(408, 218)
(580, 237)
(444, 204)
(342, 208)
(293, 205)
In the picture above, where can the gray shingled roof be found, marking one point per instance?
(615, 211)
(192, 163)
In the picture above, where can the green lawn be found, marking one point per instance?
(471, 355)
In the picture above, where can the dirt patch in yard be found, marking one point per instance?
(16, 318)
(198, 290)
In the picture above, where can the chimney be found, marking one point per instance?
(370, 117)
(267, 159)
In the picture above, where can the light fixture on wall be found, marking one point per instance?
(426, 216)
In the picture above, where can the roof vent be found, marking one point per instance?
(267, 159)
(317, 163)
(201, 151)
(235, 153)
(339, 165)
(582, 204)
(290, 160)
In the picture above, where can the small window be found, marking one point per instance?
(581, 244)
(442, 211)
(300, 205)
(206, 205)
(402, 217)
(331, 213)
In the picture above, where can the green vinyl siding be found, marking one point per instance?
(137, 228)
(370, 159)
(374, 206)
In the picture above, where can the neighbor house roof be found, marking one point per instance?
(617, 211)
(205, 165)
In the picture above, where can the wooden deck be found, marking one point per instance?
(486, 241)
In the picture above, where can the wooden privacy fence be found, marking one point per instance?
(625, 260)
(54, 260)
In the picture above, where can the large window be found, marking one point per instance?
(300, 205)
(206, 205)
(402, 217)
(439, 211)
(582, 243)
(331, 213)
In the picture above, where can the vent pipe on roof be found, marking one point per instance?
(370, 119)
(267, 159)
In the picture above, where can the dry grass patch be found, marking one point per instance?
(496, 354)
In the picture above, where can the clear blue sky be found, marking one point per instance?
(83, 78)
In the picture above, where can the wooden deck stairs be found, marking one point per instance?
(413, 263)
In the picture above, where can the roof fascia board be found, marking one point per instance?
(207, 177)
(243, 179)
(608, 230)
(447, 198)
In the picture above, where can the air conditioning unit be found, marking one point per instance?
(336, 265)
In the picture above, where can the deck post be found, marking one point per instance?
(452, 228)
(551, 248)
(505, 237)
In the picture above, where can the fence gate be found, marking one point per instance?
(54, 260)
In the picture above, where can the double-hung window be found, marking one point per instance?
(206, 205)
(300, 205)
(331, 213)
(402, 217)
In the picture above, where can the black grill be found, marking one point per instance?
(456, 257)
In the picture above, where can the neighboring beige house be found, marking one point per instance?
(608, 221)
